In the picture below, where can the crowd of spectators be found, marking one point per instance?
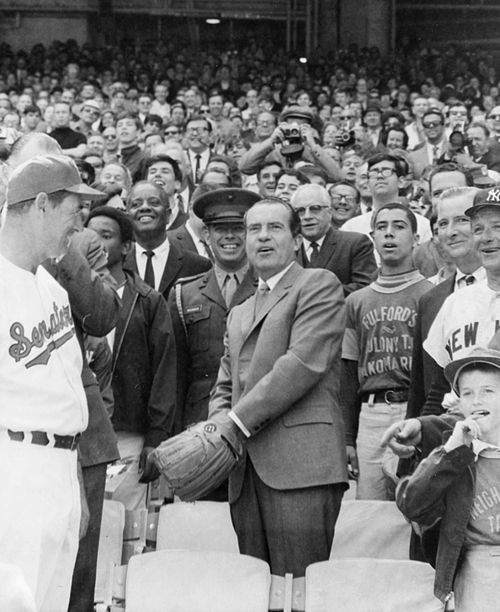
(360, 146)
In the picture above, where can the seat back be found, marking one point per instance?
(201, 525)
(110, 549)
(374, 529)
(365, 585)
(188, 581)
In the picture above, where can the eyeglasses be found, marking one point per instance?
(432, 124)
(385, 172)
(315, 209)
(193, 130)
(336, 199)
(109, 136)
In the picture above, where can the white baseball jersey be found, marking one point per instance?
(469, 317)
(40, 357)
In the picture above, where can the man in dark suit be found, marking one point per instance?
(427, 384)
(199, 305)
(157, 260)
(278, 384)
(192, 236)
(349, 255)
(164, 171)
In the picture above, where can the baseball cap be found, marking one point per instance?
(47, 174)
(225, 205)
(477, 355)
(92, 104)
(484, 198)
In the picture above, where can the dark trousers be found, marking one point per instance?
(289, 529)
(83, 585)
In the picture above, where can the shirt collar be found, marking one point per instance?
(485, 449)
(274, 280)
(479, 275)
(221, 274)
(307, 243)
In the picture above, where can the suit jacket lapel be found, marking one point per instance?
(212, 291)
(281, 289)
(129, 299)
(172, 267)
(327, 249)
(245, 290)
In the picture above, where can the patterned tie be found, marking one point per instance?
(197, 170)
(149, 275)
(260, 297)
(313, 261)
(435, 154)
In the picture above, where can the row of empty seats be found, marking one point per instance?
(196, 566)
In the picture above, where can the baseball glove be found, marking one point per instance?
(199, 459)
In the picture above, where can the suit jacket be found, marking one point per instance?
(349, 255)
(491, 159)
(179, 264)
(95, 307)
(280, 375)
(425, 372)
(199, 351)
(144, 364)
(419, 159)
(182, 239)
(179, 221)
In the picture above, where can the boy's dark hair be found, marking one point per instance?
(124, 222)
(397, 206)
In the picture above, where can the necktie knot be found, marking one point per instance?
(264, 288)
(313, 260)
(149, 274)
(469, 279)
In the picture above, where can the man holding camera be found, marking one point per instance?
(291, 141)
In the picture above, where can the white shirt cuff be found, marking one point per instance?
(236, 420)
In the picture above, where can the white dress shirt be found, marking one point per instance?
(159, 260)
(308, 248)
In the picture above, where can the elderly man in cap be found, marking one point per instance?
(90, 111)
(43, 409)
(469, 316)
(199, 304)
(291, 141)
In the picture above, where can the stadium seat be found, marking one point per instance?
(369, 528)
(370, 585)
(188, 581)
(110, 549)
(202, 525)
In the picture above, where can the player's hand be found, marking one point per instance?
(352, 462)
(465, 431)
(146, 466)
(402, 437)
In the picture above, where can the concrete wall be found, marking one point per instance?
(366, 23)
(25, 31)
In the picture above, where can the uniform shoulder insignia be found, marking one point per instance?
(188, 279)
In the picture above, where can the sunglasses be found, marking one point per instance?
(432, 124)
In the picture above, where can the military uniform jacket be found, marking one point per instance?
(199, 340)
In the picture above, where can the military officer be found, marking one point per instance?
(199, 304)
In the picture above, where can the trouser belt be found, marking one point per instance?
(387, 396)
(42, 438)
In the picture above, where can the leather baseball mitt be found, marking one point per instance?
(199, 459)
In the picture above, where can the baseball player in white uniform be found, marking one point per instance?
(471, 316)
(43, 407)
